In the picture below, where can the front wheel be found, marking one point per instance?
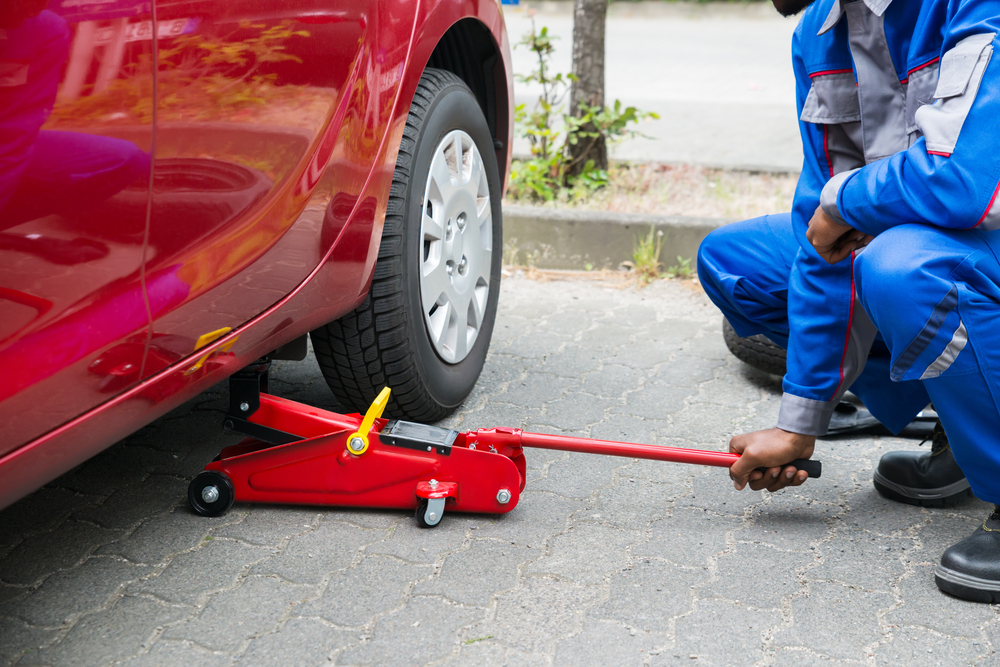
(425, 327)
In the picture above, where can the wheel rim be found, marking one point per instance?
(456, 250)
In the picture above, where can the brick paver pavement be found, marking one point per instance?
(606, 561)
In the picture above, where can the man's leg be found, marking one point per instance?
(744, 268)
(935, 297)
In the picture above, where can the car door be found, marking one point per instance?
(253, 99)
(76, 85)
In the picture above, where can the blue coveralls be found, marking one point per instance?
(899, 105)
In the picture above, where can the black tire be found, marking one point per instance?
(757, 351)
(385, 341)
(203, 480)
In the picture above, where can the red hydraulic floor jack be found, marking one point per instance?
(302, 455)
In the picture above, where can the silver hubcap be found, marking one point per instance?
(456, 229)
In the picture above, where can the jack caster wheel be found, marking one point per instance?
(430, 512)
(211, 493)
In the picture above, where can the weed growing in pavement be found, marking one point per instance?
(510, 252)
(546, 174)
(646, 256)
(477, 639)
(682, 269)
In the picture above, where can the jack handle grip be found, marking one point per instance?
(812, 467)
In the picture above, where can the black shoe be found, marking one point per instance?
(970, 569)
(926, 479)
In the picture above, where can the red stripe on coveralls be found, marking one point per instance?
(847, 338)
(939, 153)
(918, 68)
(988, 206)
(831, 71)
(826, 148)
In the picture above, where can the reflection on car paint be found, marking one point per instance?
(73, 200)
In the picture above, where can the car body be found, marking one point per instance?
(210, 185)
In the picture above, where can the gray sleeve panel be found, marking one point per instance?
(962, 70)
(859, 344)
(804, 415)
(919, 92)
(828, 198)
(844, 146)
(811, 417)
(833, 98)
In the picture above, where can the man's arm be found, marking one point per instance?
(829, 337)
(951, 176)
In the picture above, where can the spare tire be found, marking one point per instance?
(758, 351)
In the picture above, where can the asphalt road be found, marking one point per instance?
(719, 76)
(605, 561)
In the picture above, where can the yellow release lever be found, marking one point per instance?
(357, 442)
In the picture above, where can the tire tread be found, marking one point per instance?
(347, 349)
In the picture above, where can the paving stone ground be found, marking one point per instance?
(605, 561)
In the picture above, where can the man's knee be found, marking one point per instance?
(723, 250)
(886, 265)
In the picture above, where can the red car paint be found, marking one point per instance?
(209, 185)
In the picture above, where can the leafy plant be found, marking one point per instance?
(682, 269)
(646, 256)
(547, 173)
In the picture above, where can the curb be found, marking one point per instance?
(571, 238)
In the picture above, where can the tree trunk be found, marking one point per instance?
(588, 66)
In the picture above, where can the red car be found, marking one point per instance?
(188, 185)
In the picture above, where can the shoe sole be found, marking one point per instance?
(966, 586)
(944, 496)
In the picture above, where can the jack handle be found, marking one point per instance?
(568, 443)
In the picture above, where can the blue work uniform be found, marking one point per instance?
(898, 105)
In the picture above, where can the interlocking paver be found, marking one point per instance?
(130, 505)
(462, 573)
(267, 525)
(923, 606)
(536, 519)
(301, 641)
(633, 502)
(312, 555)
(587, 553)
(723, 633)
(17, 638)
(41, 555)
(191, 575)
(539, 613)
(579, 475)
(758, 592)
(70, 593)
(835, 620)
(606, 643)
(421, 632)
(167, 652)
(116, 633)
(374, 586)
(255, 607)
(689, 536)
(603, 561)
(153, 542)
(850, 557)
(916, 646)
(649, 593)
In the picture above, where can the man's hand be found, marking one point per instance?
(769, 449)
(832, 240)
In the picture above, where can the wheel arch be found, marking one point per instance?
(481, 58)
